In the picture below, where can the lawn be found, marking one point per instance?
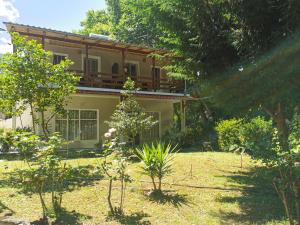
(205, 188)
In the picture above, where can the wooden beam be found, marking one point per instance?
(84, 42)
(87, 72)
(123, 65)
(43, 42)
(182, 115)
(153, 73)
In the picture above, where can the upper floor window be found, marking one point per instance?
(57, 58)
(156, 72)
(115, 68)
(93, 66)
(131, 69)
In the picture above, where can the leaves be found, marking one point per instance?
(29, 78)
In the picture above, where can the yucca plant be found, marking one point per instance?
(157, 161)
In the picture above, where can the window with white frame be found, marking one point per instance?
(78, 125)
(131, 69)
(93, 66)
(57, 58)
(153, 133)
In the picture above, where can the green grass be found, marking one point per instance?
(205, 188)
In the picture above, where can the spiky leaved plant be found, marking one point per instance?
(157, 161)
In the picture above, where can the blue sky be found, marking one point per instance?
(62, 15)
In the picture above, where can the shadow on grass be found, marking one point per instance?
(4, 208)
(258, 202)
(70, 218)
(65, 218)
(80, 176)
(175, 199)
(137, 218)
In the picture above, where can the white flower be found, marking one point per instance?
(107, 135)
(112, 130)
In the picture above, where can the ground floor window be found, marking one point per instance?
(153, 133)
(78, 125)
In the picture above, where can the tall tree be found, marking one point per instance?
(29, 79)
(96, 21)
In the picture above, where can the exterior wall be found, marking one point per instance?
(107, 57)
(106, 106)
(22, 121)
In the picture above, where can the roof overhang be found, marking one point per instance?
(41, 32)
(141, 94)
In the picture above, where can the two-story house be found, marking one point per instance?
(104, 65)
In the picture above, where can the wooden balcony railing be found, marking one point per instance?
(116, 81)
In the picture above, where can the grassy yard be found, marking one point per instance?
(205, 188)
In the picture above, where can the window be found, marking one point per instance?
(156, 72)
(115, 68)
(78, 125)
(58, 58)
(131, 69)
(153, 133)
(93, 66)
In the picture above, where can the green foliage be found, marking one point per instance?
(229, 133)
(116, 170)
(46, 173)
(129, 119)
(183, 139)
(256, 137)
(29, 79)
(157, 161)
(96, 21)
(6, 140)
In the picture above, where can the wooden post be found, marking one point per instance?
(87, 60)
(123, 65)
(153, 74)
(182, 114)
(43, 42)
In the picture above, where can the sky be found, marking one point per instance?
(64, 15)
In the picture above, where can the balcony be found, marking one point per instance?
(143, 83)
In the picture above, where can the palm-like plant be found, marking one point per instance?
(157, 161)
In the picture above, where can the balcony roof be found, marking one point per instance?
(79, 39)
(144, 94)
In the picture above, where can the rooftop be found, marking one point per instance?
(79, 38)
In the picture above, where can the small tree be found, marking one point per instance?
(157, 160)
(129, 119)
(46, 173)
(29, 79)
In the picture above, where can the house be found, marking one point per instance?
(104, 65)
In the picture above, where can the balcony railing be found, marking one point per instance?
(116, 81)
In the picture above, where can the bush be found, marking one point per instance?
(186, 138)
(256, 136)
(229, 133)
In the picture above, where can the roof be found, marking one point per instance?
(145, 94)
(79, 38)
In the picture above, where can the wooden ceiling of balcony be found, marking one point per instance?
(44, 33)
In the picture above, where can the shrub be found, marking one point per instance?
(186, 138)
(6, 140)
(256, 136)
(157, 161)
(229, 133)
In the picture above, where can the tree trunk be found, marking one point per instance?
(159, 183)
(153, 182)
(109, 196)
(43, 125)
(33, 119)
(278, 116)
(122, 193)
